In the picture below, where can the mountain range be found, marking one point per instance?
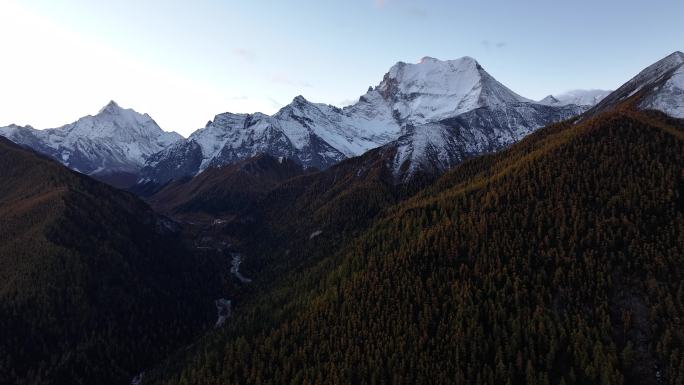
(433, 113)
(578, 97)
(568, 241)
(555, 260)
(453, 242)
(113, 144)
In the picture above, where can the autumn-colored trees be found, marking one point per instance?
(93, 287)
(558, 261)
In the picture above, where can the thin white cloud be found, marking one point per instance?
(275, 104)
(490, 44)
(347, 102)
(280, 78)
(245, 54)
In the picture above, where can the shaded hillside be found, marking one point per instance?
(305, 218)
(94, 286)
(225, 190)
(557, 261)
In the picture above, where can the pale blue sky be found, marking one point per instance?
(185, 61)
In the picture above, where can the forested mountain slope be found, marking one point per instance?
(94, 286)
(557, 261)
(224, 191)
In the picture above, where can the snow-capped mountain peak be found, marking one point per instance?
(659, 86)
(425, 59)
(433, 76)
(433, 89)
(114, 140)
(454, 105)
(549, 100)
(118, 125)
(111, 107)
(676, 58)
(668, 95)
(576, 97)
(658, 70)
(299, 99)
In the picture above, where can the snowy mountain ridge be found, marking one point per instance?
(668, 97)
(320, 135)
(433, 90)
(432, 115)
(659, 86)
(113, 140)
(577, 97)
